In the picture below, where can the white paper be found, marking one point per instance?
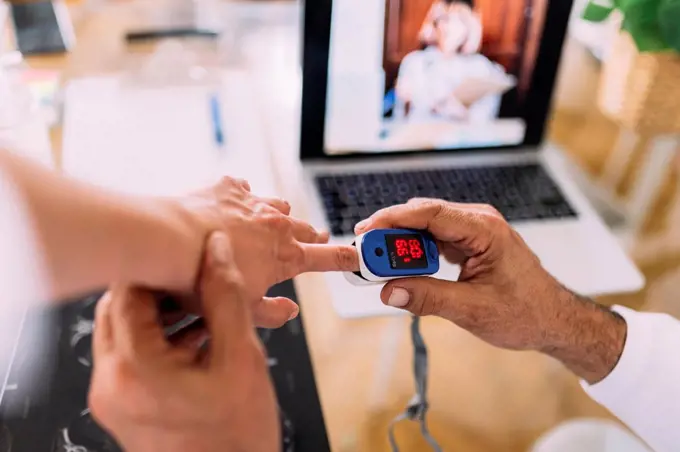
(161, 141)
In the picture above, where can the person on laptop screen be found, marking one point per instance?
(449, 79)
(436, 74)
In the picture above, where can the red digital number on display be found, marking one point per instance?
(408, 249)
(415, 250)
(402, 248)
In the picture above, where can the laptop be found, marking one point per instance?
(392, 110)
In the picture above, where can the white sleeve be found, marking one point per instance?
(485, 109)
(406, 84)
(643, 390)
(22, 274)
(407, 75)
(488, 107)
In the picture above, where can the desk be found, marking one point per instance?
(482, 399)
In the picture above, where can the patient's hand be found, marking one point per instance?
(269, 245)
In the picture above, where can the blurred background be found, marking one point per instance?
(614, 116)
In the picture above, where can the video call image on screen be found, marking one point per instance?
(406, 251)
(430, 74)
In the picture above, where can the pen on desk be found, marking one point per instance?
(148, 35)
(216, 115)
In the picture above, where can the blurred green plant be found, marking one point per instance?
(654, 25)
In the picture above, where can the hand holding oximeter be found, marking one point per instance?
(386, 254)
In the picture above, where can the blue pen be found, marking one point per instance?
(216, 115)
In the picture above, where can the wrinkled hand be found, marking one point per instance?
(269, 245)
(154, 395)
(503, 295)
(501, 285)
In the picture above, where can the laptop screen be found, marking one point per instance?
(409, 75)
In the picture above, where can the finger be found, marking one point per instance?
(381, 218)
(452, 254)
(274, 312)
(102, 336)
(427, 296)
(472, 207)
(306, 233)
(191, 341)
(223, 300)
(227, 181)
(230, 186)
(279, 204)
(186, 342)
(468, 228)
(244, 183)
(324, 237)
(191, 338)
(135, 321)
(329, 258)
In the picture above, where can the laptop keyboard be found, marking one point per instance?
(523, 192)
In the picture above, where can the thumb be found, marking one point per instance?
(425, 296)
(223, 299)
(274, 312)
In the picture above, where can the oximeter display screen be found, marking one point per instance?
(406, 251)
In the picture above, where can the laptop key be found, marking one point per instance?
(523, 192)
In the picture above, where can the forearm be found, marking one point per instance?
(588, 338)
(90, 238)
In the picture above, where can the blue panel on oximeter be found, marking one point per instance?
(394, 253)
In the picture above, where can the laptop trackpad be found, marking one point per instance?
(583, 256)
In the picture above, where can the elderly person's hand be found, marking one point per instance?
(155, 395)
(504, 295)
(269, 245)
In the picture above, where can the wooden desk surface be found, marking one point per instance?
(482, 399)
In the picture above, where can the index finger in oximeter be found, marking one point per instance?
(386, 254)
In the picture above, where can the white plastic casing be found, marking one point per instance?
(370, 278)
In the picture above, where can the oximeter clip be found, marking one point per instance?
(386, 254)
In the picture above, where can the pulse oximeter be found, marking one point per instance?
(386, 254)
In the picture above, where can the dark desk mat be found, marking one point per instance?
(52, 416)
